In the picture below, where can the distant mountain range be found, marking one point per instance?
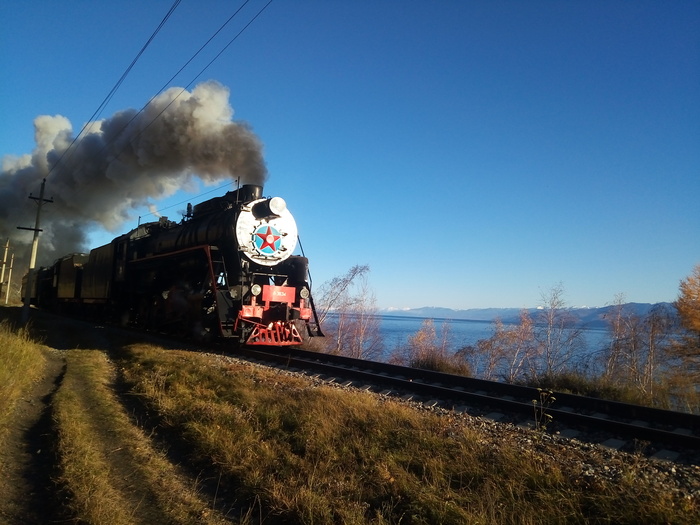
(587, 317)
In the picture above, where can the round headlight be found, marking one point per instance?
(269, 208)
(255, 289)
(277, 205)
(304, 293)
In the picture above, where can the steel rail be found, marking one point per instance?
(670, 428)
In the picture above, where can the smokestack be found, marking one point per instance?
(124, 162)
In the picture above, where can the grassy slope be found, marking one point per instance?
(324, 455)
(153, 436)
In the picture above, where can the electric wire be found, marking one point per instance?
(70, 149)
(194, 79)
(186, 201)
(199, 51)
(167, 83)
(201, 72)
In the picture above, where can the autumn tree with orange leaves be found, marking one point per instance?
(688, 306)
(688, 302)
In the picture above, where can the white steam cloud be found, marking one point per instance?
(121, 163)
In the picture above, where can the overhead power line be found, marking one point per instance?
(217, 189)
(194, 79)
(118, 84)
(68, 152)
(40, 200)
(199, 74)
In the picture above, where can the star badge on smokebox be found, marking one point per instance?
(266, 240)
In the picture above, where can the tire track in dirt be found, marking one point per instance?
(28, 454)
(136, 470)
(114, 471)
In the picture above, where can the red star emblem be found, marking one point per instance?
(268, 239)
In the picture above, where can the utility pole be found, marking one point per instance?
(4, 261)
(35, 244)
(9, 278)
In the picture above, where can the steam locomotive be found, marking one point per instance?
(226, 270)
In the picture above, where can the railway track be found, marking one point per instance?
(659, 433)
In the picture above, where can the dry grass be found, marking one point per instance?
(268, 447)
(108, 467)
(675, 390)
(304, 454)
(21, 363)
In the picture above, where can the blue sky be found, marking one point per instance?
(473, 154)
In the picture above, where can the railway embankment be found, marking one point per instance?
(114, 428)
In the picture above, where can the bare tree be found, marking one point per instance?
(521, 348)
(658, 331)
(332, 295)
(558, 339)
(617, 323)
(360, 335)
(430, 350)
(637, 347)
(480, 357)
(632, 351)
(418, 347)
(507, 352)
(348, 312)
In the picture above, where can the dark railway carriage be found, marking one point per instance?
(67, 277)
(226, 270)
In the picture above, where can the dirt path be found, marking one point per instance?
(27, 455)
(146, 486)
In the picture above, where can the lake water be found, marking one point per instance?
(397, 329)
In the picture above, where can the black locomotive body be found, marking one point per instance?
(227, 270)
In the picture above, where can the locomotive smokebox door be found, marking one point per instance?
(266, 231)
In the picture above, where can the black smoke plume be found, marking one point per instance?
(121, 163)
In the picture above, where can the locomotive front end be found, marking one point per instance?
(273, 291)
